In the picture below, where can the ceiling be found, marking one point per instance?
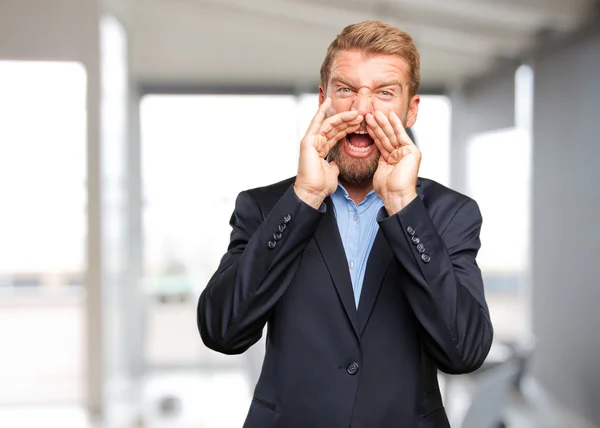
(281, 43)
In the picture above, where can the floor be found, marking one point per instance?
(220, 400)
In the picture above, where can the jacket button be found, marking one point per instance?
(272, 244)
(287, 218)
(410, 230)
(277, 236)
(352, 369)
(425, 258)
(421, 248)
(416, 240)
(282, 227)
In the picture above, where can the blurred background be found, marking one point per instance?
(128, 127)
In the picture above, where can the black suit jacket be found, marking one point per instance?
(327, 364)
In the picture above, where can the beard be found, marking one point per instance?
(353, 171)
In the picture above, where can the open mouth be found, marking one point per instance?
(359, 144)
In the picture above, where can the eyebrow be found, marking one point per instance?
(378, 85)
(339, 80)
(389, 83)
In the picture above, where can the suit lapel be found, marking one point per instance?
(378, 262)
(330, 243)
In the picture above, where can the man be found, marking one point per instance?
(364, 273)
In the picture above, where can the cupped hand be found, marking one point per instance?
(395, 180)
(317, 178)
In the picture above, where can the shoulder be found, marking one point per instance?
(267, 196)
(446, 205)
(434, 193)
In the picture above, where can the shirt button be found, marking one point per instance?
(355, 217)
(351, 265)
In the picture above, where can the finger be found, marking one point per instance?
(325, 141)
(338, 121)
(382, 163)
(318, 118)
(320, 144)
(324, 144)
(387, 128)
(333, 168)
(379, 133)
(344, 127)
(400, 131)
(341, 134)
(384, 152)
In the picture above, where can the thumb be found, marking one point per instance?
(334, 169)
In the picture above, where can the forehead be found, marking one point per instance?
(364, 69)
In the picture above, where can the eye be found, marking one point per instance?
(345, 90)
(387, 93)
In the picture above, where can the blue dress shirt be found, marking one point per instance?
(358, 227)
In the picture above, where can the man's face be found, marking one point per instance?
(366, 83)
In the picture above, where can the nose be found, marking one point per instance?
(363, 103)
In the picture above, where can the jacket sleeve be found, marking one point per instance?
(446, 294)
(262, 258)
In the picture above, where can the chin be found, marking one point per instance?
(355, 171)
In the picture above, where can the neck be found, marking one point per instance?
(356, 192)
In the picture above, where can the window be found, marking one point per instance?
(498, 178)
(42, 229)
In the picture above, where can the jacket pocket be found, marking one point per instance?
(262, 414)
(432, 414)
(432, 403)
(435, 419)
(263, 402)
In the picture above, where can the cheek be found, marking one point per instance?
(340, 104)
(386, 107)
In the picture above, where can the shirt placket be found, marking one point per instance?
(354, 259)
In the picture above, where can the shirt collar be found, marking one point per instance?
(341, 191)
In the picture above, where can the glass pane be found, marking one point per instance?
(503, 197)
(432, 135)
(42, 192)
(198, 153)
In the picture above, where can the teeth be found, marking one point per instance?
(361, 132)
(358, 149)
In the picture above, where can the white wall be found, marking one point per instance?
(566, 223)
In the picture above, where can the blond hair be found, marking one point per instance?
(375, 37)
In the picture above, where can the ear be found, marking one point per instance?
(413, 110)
(321, 94)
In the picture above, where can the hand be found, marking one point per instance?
(316, 177)
(395, 180)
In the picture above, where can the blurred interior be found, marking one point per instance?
(128, 127)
